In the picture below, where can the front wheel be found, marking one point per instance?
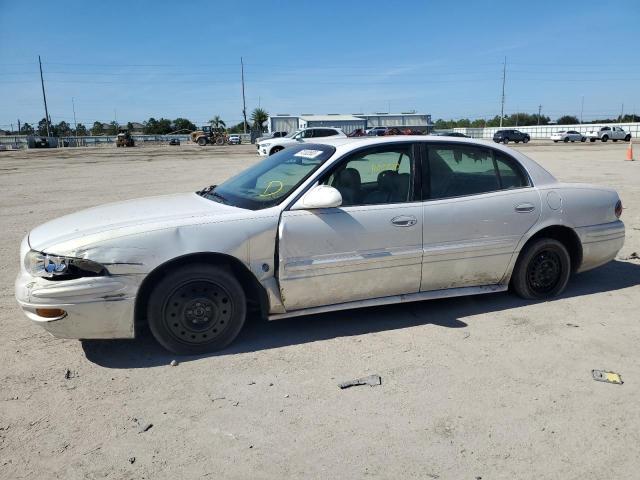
(542, 270)
(592, 140)
(566, 139)
(196, 309)
(505, 141)
(525, 140)
(275, 150)
(627, 138)
(202, 141)
(583, 139)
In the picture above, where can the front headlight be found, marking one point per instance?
(61, 268)
(264, 145)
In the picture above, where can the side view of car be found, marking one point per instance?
(567, 136)
(332, 225)
(608, 133)
(450, 134)
(506, 136)
(274, 145)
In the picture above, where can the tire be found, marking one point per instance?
(583, 139)
(555, 141)
(196, 309)
(275, 150)
(542, 270)
(202, 141)
(592, 140)
(219, 141)
(505, 140)
(627, 138)
(605, 138)
(525, 140)
(566, 140)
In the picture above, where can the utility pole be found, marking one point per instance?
(581, 109)
(244, 105)
(75, 124)
(44, 96)
(19, 128)
(539, 110)
(504, 76)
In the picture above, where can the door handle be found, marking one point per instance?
(525, 207)
(404, 221)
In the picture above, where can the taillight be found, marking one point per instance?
(618, 208)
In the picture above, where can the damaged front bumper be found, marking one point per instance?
(94, 307)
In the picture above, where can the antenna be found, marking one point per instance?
(504, 76)
(44, 96)
(244, 106)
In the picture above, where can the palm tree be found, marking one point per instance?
(217, 123)
(258, 118)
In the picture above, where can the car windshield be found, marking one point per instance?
(267, 183)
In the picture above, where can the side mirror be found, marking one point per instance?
(322, 196)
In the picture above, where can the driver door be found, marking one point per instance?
(369, 247)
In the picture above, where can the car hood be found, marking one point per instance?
(162, 210)
(279, 140)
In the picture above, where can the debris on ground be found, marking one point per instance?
(174, 363)
(132, 460)
(572, 325)
(371, 380)
(146, 427)
(633, 256)
(69, 374)
(608, 377)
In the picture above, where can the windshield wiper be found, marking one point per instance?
(217, 195)
(206, 190)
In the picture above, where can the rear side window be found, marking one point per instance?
(460, 170)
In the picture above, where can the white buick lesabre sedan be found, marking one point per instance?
(317, 227)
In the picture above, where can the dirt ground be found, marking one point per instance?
(490, 387)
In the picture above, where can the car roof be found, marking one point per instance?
(343, 145)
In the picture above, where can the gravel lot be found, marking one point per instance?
(490, 386)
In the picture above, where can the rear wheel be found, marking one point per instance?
(542, 270)
(583, 139)
(202, 141)
(220, 141)
(505, 140)
(605, 138)
(566, 139)
(196, 309)
(592, 140)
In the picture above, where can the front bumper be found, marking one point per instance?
(96, 307)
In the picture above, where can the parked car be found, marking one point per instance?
(358, 132)
(450, 134)
(274, 145)
(506, 136)
(608, 133)
(376, 131)
(174, 141)
(567, 136)
(271, 135)
(318, 227)
(234, 139)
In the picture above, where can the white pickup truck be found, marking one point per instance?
(608, 133)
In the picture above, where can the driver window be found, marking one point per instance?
(375, 176)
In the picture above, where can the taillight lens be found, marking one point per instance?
(618, 208)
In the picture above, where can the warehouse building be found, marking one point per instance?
(350, 122)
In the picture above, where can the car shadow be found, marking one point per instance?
(259, 334)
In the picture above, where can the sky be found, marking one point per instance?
(133, 60)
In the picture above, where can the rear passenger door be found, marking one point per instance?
(479, 203)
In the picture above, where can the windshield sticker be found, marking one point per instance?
(308, 153)
(274, 187)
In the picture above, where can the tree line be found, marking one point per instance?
(153, 126)
(522, 119)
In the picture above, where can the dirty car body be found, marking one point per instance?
(319, 227)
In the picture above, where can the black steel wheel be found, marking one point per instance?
(275, 150)
(566, 139)
(196, 309)
(542, 270)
